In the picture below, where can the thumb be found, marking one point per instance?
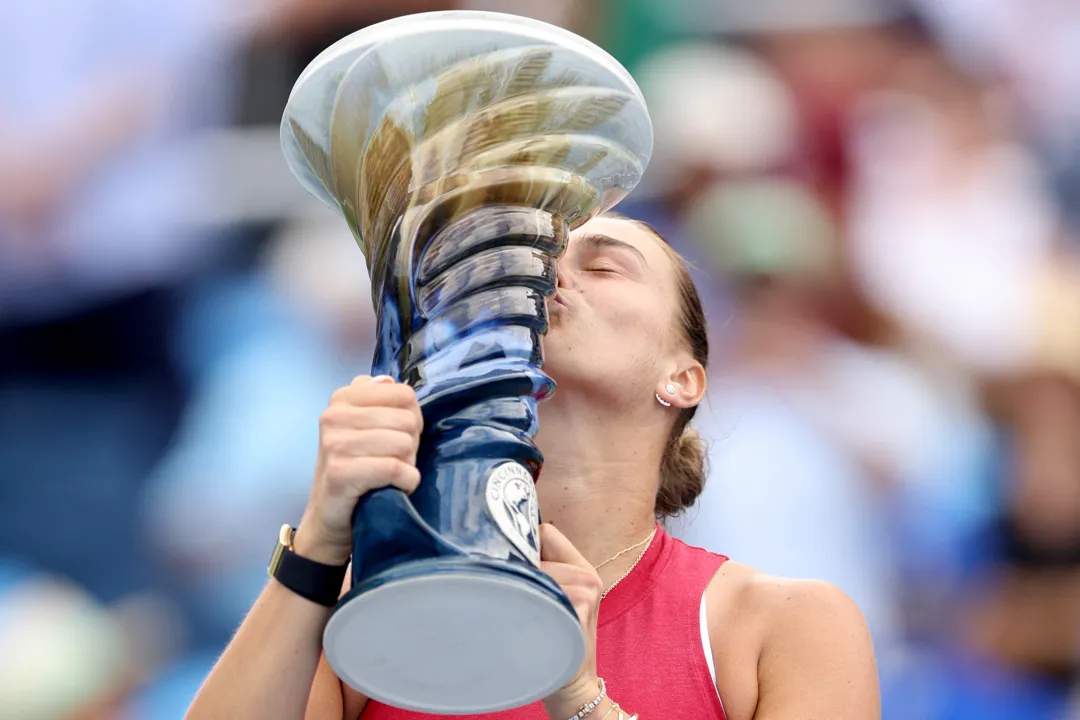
(554, 547)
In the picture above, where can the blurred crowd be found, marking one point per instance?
(881, 202)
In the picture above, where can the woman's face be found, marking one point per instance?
(614, 328)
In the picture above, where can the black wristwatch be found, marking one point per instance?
(309, 579)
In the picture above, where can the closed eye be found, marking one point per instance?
(607, 256)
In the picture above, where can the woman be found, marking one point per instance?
(674, 631)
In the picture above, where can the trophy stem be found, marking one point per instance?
(438, 567)
(475, 363)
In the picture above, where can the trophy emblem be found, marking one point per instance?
(461, 148)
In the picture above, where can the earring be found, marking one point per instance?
(670, 389)
(662, 401)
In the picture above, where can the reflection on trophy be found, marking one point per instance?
(461, 148)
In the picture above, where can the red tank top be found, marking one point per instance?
(649, 647)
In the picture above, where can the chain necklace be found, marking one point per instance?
(622, 552)
(647, 542)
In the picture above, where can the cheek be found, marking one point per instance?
(613, 339)
(638, 329)
(628, 336)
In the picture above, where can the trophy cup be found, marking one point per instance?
(461, 148)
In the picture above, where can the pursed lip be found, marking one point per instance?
(557, 299)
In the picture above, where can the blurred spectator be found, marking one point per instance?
(859, 465)
(245, 452)
(698, 140)
(949, 222)
(95, 235)
(98, 193)
(1031, 46)
(102, 207)
(779, 247)
(1025, 617)
(953, 234)
(773, 243)
(838, 171)
(697, 135)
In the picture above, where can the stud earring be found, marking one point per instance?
(662, 401)
(670, 389)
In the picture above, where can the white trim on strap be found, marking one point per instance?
(706, 646)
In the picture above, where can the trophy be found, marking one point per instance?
(461, 148)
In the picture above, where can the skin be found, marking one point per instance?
(784, 649)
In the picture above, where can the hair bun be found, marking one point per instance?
(682, 475)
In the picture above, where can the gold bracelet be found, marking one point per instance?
(613, 708)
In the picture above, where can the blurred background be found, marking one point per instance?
(881, 199)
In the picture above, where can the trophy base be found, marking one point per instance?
(455, 636)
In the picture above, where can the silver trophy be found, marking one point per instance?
(461, 149)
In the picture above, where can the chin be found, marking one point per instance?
(564, 361)
(552, 371)
(556, 364)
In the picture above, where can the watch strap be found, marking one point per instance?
(309, 579)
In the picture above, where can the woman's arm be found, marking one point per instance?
(331, 698)
(817, 659)
(367, 439)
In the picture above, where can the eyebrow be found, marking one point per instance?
(599, 241)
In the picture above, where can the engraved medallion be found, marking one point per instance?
(511, 499)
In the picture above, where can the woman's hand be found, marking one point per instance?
(581, 583)
(368, 438)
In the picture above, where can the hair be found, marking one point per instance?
(683, 467)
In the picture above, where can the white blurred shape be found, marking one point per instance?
(717, 107)
(317, 267)
(58, 650)
(1031, 43)
(948, 242)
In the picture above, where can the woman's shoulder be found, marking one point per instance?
(752, 595)
(769, 603)
(793, 634)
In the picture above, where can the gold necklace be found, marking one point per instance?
(622, 552)
(648, 543)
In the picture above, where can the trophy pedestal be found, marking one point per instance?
(455, 636)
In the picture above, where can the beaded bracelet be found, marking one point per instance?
(589, 707)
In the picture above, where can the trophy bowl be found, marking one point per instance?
(461, 148)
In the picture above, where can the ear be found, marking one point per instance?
(688, 383)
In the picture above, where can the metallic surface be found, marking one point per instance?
(461, 148)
